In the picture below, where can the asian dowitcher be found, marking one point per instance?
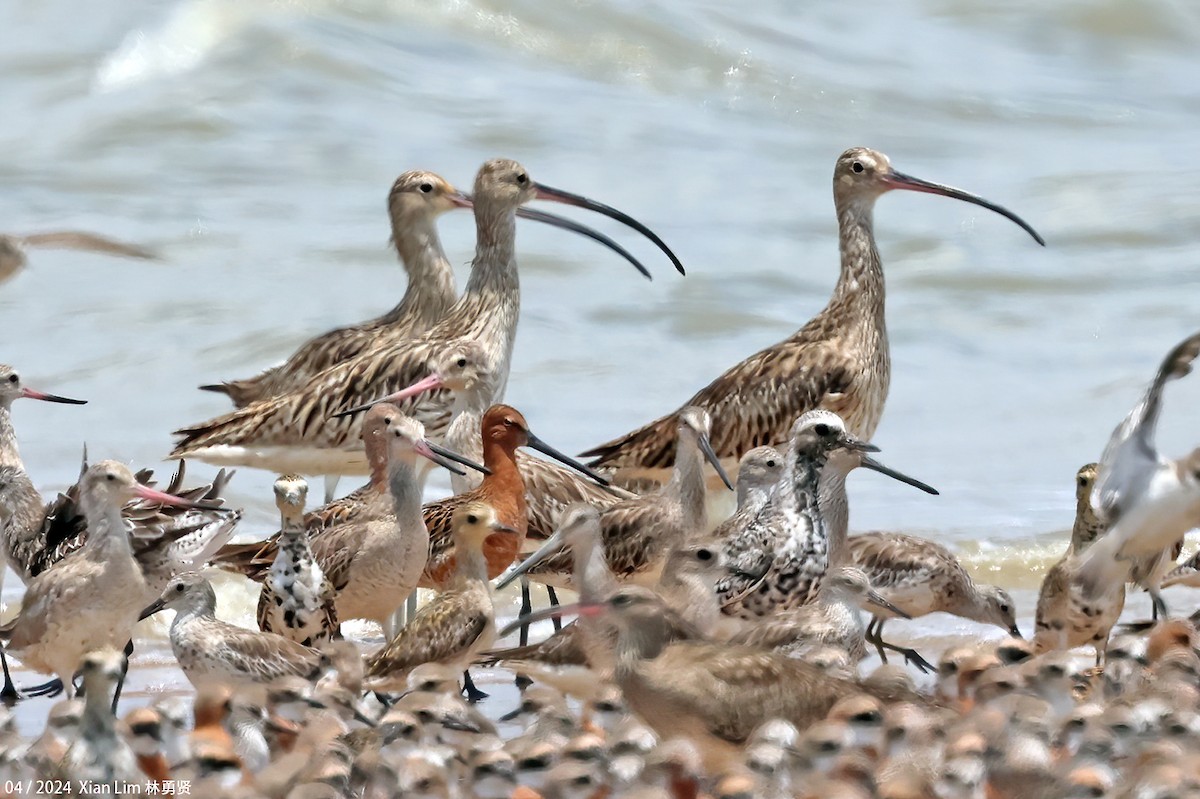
(504, 429)
(839, 360)
(919, 577)
(212, 652)
(460, 621)
(12, 248)
(310, 431)
(1147, 501)
(638, 534)
(90, 600)
(297, 601)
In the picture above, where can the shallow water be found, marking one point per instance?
(253, 146)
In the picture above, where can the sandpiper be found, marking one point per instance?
(460, 621)
(100, 756)
(298, 432)
(213, 652)
(90, 600)
(297, 601)
(1147, 501)
(839, 360)
(1070, 612)
(835, 618)
(919, 577)
(757, 473)
(12, 248)
(638, 534)
(786, 541)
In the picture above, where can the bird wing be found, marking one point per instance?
(77, 240)
(752, 404)
(305, 416)
(336, 550)
(564, 648)
(446, 627)
(266, 655)
(550, 488)
(1128, 462)
(439, 522)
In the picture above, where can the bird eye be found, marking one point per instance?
(13, 378)
(472, 519)
(821, 430)
(426, 187)
(110, 477)
(179, 588)
(522, 178)
(509, 423)
(857, 166)
(461, 362)
(771, 464)
(1004, 608)
(704, 554)
(620, 600)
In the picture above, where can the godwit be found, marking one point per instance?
(835, 618)
(839, 360)
(638, 534)
(713, 695)
(460, 621)
(1069, 613)
(295, 432)
(12, 248)
(504, 429)
(786, 541)
(919, 577)
(212, 652)
(297, 601)
(371, 502)
(91, 599)
(1147, 501)
(100, 756)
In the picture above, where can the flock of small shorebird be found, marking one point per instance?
(709, 656)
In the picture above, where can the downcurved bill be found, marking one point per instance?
(534, 442)
(551, 546)
(867, 462)
(162, 498)
(711, 456)
(447, 458)
(430, 383)
(29, 393)
(545, 192)
(582, 609)
(583, 230)
(899, 180)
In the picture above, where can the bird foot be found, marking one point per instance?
(10, 694)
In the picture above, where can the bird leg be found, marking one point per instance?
(124, 674)
(553, 596)
(526, 609)
(874, 635)
(331, 484)
(910, 655)
(469, 690)
(1158, 606)
(9, 695)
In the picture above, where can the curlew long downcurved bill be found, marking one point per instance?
(545, 192)
(899, 180)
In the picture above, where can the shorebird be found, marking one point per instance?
(100, 756)
(369, 503)
(713, 695)
(1147, 501)
(757, 473)
(297, 601)
(298, 432)
(786, 540)
(12, 248)
(638, 534)
(839, 360)
(212, 652)
(504, 429)
(456, 624)
(1069, 612)
(91, 599)
(835, 618)
(919, 577)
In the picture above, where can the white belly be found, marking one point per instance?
(311, 461)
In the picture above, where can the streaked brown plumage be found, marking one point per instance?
(838, 361)
(461, 620)
(415, 202)
(370, 502)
